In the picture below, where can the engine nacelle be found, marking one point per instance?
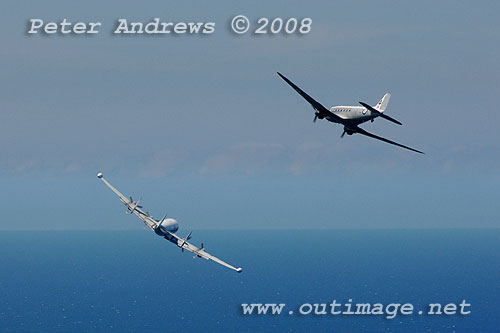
(319, 115)
(170, 225)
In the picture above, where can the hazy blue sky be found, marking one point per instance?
(203, 127)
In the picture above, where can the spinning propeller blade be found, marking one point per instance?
(184, 240)
(163, 218)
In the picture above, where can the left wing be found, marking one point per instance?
(132, 206)
(362, 131)
(200, 252)
(123, 198)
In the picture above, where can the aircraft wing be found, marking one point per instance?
(362, 131)
(132, 206)
(315, 104)
(200, 252)
(123, 198)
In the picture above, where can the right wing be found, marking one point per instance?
(362, 131)
(200, 252)
(315, 104)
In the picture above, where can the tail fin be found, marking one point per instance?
(382, 104)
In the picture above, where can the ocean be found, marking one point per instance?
(136, 281)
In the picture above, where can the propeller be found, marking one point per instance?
(163, 218)
(138, 206)
(184, 240)
(159, 222)
(132, 208)
(343, 133)
(316, 114)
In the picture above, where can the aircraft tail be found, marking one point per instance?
(382, 104)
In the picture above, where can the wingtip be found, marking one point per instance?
(239, 269)
(99, 175)
(417, 151)
(364, 104)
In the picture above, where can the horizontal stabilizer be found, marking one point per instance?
(379, 114)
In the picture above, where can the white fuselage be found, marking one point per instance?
(358, 114)
(166, 226)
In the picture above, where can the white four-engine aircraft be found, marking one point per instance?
(351, 116)
(166, 227)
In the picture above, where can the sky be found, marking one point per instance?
(203, 128)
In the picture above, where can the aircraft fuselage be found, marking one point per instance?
(355, 114)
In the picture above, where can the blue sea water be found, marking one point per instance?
(136, 281)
